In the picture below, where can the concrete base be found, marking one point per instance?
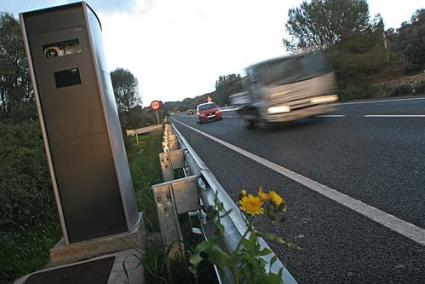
(133, 267)
(132, 274)
(62, 254)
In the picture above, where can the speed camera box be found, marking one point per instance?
(79, 121)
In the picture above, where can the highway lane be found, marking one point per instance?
(373, 159)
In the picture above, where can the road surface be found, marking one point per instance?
(354, 181)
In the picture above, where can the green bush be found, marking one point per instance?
(402, 91)
(420, 88)
(359, 92)
(25, 187)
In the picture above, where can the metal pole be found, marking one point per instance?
(157, 118)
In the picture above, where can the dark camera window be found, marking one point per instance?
(67, 77)
(62, 48)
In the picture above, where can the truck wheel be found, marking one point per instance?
(249, 123)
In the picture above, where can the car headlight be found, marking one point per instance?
(324, 99)
(279, 109)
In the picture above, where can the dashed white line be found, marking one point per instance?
(395, 224)
(394, 115)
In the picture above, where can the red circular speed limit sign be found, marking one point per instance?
(155, 105)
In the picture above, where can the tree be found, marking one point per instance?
(225, 86)
(320, 24)
(127, 97)
(352, 40)
(16, 100)
(125, 89)
(409, 40)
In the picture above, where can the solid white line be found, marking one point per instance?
(402, 227)
(381, 101)
(394, 115)
(331, 115)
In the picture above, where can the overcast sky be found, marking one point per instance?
(178, 48)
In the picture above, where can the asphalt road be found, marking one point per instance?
(371, 151)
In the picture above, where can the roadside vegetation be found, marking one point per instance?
(146, 171)
(28, 220)
(364, 55)
(132, 114)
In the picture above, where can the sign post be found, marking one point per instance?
(155, 106)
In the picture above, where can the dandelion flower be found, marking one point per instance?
(276, 199)
(264, 196)
(251, 205)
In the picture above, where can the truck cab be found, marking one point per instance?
(286, 89)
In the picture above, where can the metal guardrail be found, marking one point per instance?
(234, 223)
(147, 129)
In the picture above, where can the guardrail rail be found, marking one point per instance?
(195, 194)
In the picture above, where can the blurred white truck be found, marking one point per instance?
(285, 89)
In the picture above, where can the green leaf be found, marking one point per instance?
(264, 252)
(219, 257)
(273, 260)
(194, 262)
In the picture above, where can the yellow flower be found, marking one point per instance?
(251, 205)
(264, 196)
(276, 199)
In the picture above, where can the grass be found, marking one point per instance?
(25, 251)
(146, 171)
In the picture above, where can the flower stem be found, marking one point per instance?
(248, 229)
(235, 276)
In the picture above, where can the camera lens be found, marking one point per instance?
(51, 52)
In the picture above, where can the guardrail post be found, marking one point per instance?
(171, 160)
(166, 169)
(173, 198)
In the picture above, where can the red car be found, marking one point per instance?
(208, 112)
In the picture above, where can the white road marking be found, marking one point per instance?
(394, 115)
(381, 101)
(332, 115)
(395, 224)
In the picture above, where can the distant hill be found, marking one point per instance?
(188, 103)
(225, 86)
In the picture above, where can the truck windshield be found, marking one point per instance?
(206, 107)
(291, 69)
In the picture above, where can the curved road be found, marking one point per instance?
(357, 207)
